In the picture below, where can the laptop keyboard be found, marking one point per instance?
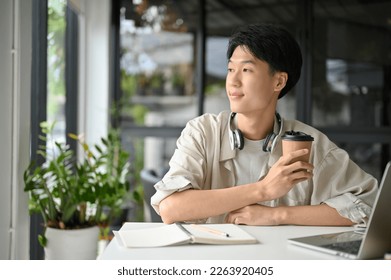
(351, 247)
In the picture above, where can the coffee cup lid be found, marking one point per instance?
(296, 136)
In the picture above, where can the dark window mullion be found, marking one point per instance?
(304, 37)
(115, 73)
(38, 104)
(71, 75)
(200, 56)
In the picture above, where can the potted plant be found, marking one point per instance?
(77, 195)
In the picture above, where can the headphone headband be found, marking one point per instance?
(236, 138)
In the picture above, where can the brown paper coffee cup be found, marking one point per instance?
(297, 140)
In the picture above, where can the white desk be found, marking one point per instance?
(273, 246)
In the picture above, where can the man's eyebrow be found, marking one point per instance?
(243, 61)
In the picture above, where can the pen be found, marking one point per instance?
(210, 230)
(184, 229)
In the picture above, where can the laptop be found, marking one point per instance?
(371, 242)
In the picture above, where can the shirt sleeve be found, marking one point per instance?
(351, 207)
(186, 166)
(168, 186)
(350, 190)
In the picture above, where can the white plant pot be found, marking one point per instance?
(71, 244)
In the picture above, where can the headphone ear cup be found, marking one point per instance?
(271, 138)
(232, 139)
(239, 140)
(268, 143)
(236, 140)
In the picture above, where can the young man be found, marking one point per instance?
(229, 167)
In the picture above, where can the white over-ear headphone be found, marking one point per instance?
(236, 139)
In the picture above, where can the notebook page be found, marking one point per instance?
(162, 235)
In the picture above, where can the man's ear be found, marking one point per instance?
(282, 78)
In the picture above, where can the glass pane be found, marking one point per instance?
(216, 70)
(351, 73)
(351, 63)
(157, 74)
(157, 53)
(222, 20)
(157, 83)
(367, 156)
(56, 67)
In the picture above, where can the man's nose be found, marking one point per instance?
(234, 79)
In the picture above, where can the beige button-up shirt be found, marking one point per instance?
(204, 160)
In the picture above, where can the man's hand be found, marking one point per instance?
(284, 174)
(254, 215)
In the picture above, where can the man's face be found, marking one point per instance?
(250, 85)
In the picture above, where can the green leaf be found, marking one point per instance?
(42, 240)
(73, 136)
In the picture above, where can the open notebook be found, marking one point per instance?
(373, 242)
(178, 234)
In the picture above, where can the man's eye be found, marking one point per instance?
(230, 70)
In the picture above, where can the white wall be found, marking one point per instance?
(15, 64)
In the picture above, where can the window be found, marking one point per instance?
(53, 78)
(351, 78)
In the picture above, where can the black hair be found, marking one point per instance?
(272, 44)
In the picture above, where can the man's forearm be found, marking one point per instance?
(200, 204)
(315, 215)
